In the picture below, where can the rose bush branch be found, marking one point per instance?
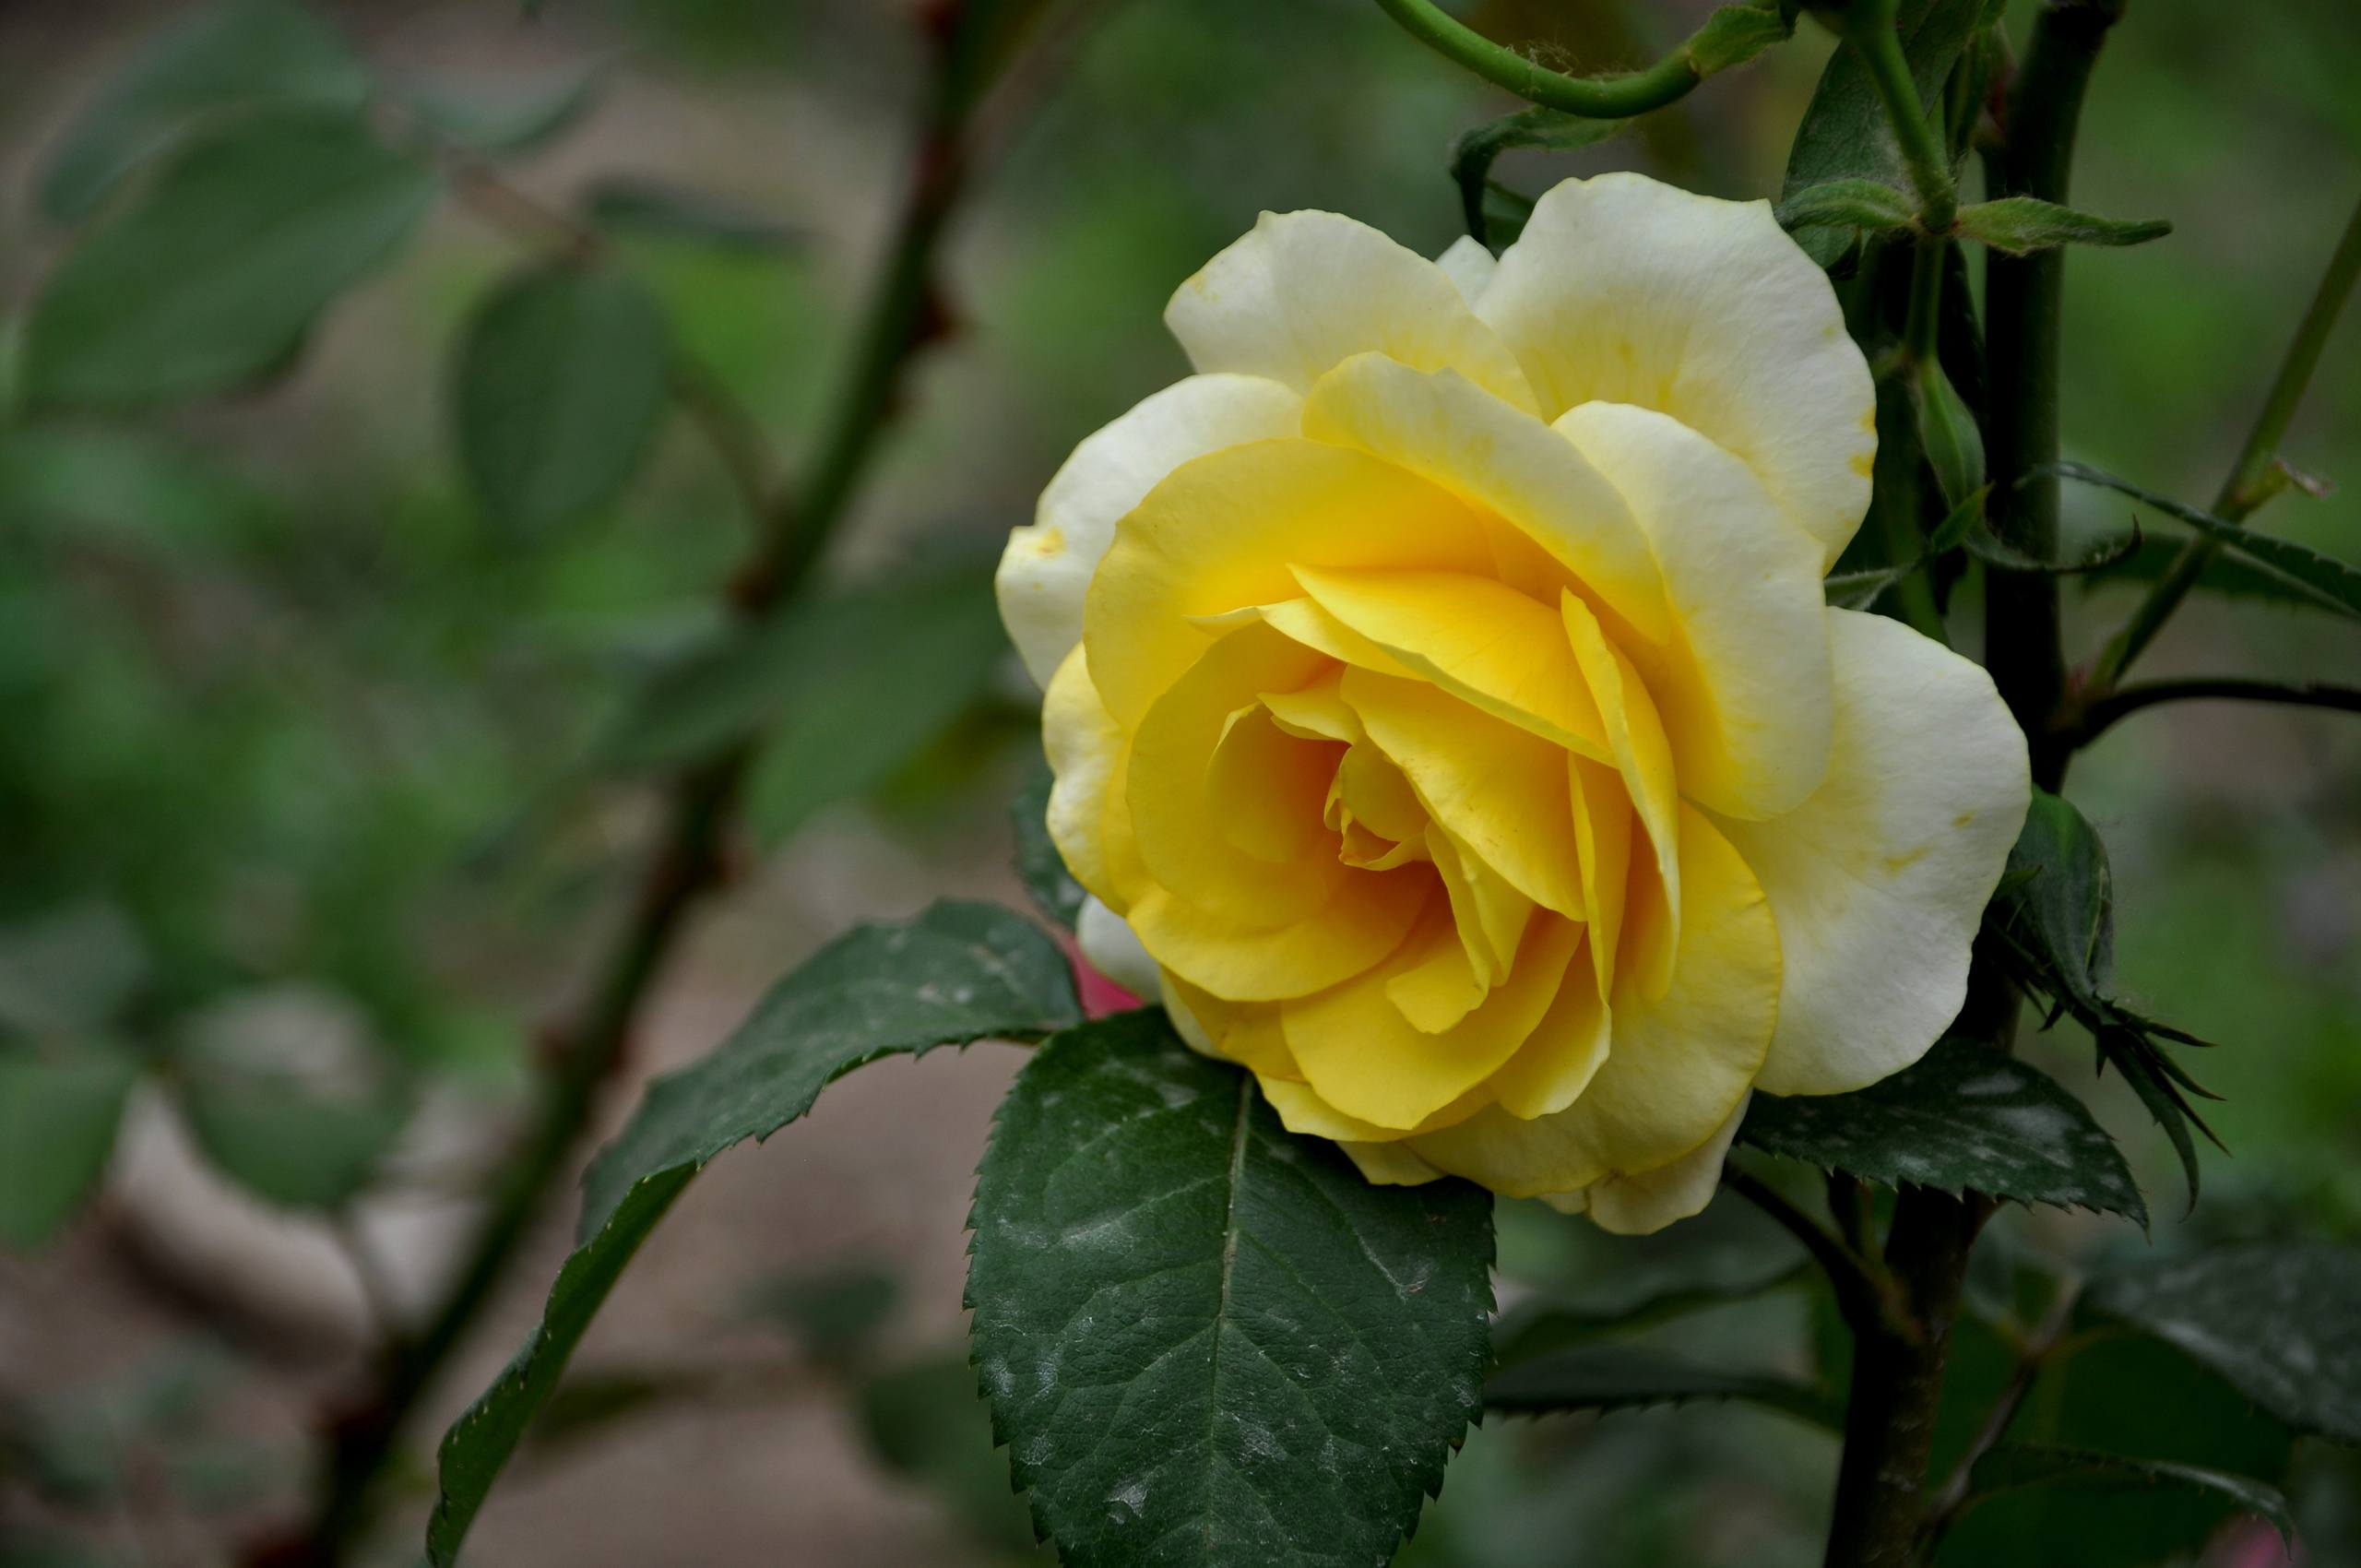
(688, 860)
(1733, 34)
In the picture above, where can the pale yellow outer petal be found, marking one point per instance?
(1305, 291)
(1744, 688)
(1879, 881)
(1504, 461)
(1623, 290)
(1114, 950)
(1085, 752)
(1469, 265)
(1045, 570)
(1676, 1067)
(1634, 1205)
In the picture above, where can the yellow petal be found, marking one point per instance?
(1218, 534)
(1498, 791)
(1085, 748)
(1183, 840)
(1247, 1033)
(1879, 881)
(1676, 1067)
(1440, 989)
(1490, 914)
(1265, 788)
(1302, 1111)
(1743, 683)
(1045, 570)
(1364, 919)
(1304, 290)
(1389, 1165)
(1637, 1206)
(1315, 712)
(1484, 642)
(1363, 1057)
(1623, 290)
(1511, 466)
(1642, 757)
(1564, 1053)
(1603, 837)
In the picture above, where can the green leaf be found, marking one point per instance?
(1858, 590)
(1039, 865)
(1552, 130)
(57, 1122)
(1204, 1338)
(958, 972)
(1735, 34)
(783, 672)
(2013, 1465)
(2021, 225)
(2330, 582)
(246, 53)
(504, 125)
(2053, 915)
(2277, 1322)
(1963, 1118)
(561, 382)
(1869, 205)
(1621, 1377)
(1537, 1327)
(69, 971)
(911, 662)
(2228, 577)
(212, 277)
(287, 1143)
(674, 212)
(1845, 135)
(831, 1314)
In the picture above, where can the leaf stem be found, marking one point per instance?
(1871, 28)
(2101, 713)
(1596, 97)
(2047, 1340)
(2249, 486)
(1863, 1294)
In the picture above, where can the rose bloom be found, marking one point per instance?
(1447, 720)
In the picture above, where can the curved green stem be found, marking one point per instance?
(2250, 482)
(1868, 26)
(1596, 97)
(2101, 713)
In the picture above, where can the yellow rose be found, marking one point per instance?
(1447, 720)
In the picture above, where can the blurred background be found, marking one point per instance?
(313, 806)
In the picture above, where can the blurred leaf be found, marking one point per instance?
(2053, 917)
(786, 671)
(287, 1143)
(57, 1123)
(69, 971)
(1194, 1324)
(833, 1314)
(958, 972)
(563, 379)
(2277, 1321)
(2021, 225)
(2227, 576)
(1870, 205)
(1843, 135)
(636, 205)
(1621, 1377)
(2329, 581)
(504, 124)
(1055, 892)
(222, 56)
(1537, 1327)
(211, 278)
(124, 486)
(1963, 1118)
(2014, 1464)
(926, 1423)
(1550, 130)
(906, 665)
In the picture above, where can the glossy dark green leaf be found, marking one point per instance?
(1206, 1341)
(1621, 1377)
(1844, 136)
(287, 1143)
(1965, 1118)
(1550, 130)
(502, 125)
(1043, 870)
(637, 206)
(2277, 1321)
(2013, 1465)
(240, 53)
(958, 972)
(57, 1124)
(910, 661)
(563, 379)
(1869, 205)
(2021, 225)
(2330, 582)
(210, 278)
